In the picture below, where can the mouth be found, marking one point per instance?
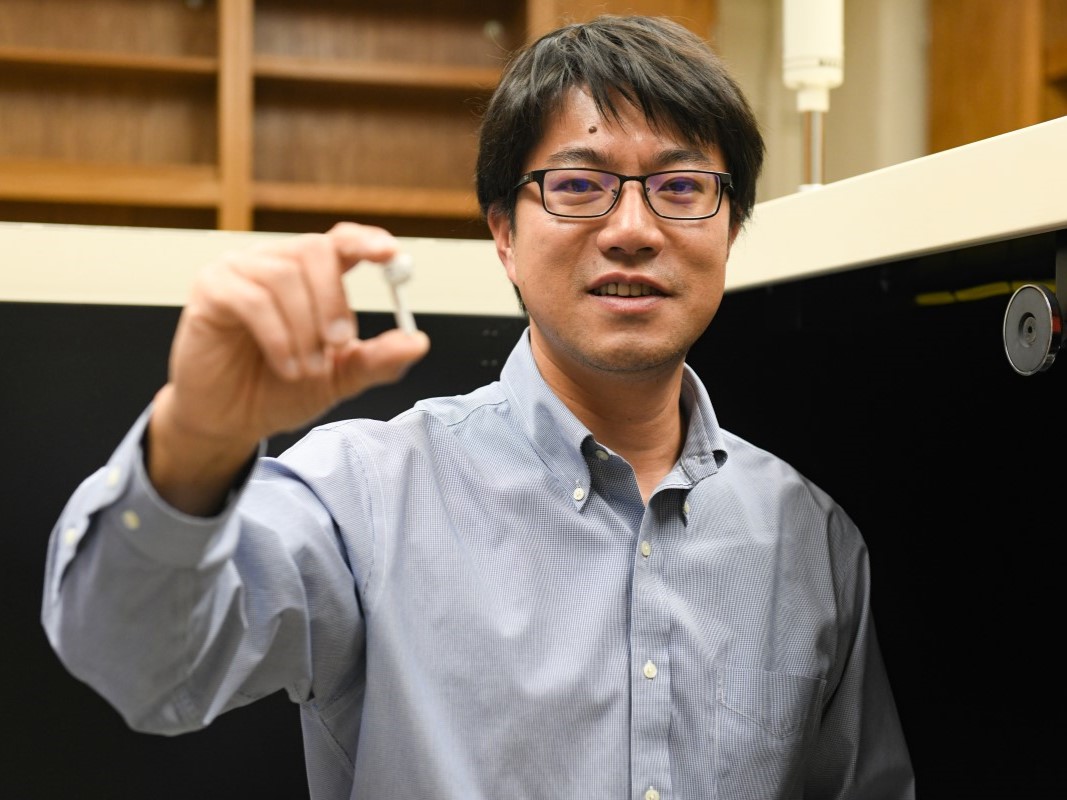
(625, 290)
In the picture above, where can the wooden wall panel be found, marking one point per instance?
(991, 67)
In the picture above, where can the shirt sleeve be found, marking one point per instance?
(861, 752)
(175, 619)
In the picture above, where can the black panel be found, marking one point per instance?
(908, 413)
(911, 416)
(73, 379)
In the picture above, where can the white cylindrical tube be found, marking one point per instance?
(813, 50)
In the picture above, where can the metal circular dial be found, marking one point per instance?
(1033, 329)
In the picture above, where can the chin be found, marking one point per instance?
(635, 361)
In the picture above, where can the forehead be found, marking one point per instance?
(576, 131)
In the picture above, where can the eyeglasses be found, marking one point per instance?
(673, 194)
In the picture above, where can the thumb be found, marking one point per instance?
(386, 358)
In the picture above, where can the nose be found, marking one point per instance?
(632, 226)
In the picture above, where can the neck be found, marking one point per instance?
(637, 415)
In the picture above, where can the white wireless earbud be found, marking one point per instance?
(398, 272)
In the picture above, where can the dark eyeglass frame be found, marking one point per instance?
(724, 182)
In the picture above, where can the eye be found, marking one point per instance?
(574, 183)
(680, 185)
(578, 186)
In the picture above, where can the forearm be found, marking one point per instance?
(193, 472)
(175, 619)
(125, 587)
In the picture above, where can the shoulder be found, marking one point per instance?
(774, 490)
(418, 427)
(763, 499)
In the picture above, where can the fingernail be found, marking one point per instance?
(340, 331)
(384, 237)
(315, 363)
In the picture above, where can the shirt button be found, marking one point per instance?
(602, 455)
(646, 548)
(113, 476)
(651, 794)
(650, 672)
(579, 492)
(685, 507)
(70, 536)
(131, 520)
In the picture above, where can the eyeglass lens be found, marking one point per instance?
(590, 193)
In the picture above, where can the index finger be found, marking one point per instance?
(355, 243)
(324, 258)
(352, 243)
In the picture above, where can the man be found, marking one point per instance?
(571, 582)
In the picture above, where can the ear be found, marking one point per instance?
(501, 227)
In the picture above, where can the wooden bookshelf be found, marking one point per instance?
(260, 114)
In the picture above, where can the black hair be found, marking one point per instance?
(653, 63)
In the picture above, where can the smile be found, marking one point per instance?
(625, 290)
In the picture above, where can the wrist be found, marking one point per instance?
(190, 468)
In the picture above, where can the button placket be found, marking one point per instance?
(650, 668)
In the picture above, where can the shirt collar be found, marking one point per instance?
(704, 452)
(557, 435)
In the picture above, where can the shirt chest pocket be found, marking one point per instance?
(764, 722)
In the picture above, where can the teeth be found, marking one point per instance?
(624, 289)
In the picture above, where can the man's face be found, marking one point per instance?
(561, 265)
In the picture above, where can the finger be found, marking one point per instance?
(355, 243)
(285, 279)
(326, 258)
(385, 358)
(325, 268)
(224, 297)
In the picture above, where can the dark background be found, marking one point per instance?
(908, 414)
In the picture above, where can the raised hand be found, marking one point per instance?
(266, 343)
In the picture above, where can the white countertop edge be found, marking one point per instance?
(156, 267)
(999, 188)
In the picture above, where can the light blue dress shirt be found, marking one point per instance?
(472, 601)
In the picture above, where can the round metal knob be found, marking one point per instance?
(1033, 329)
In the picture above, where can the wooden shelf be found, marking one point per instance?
(163, 186)
(375, 73)
(260, 113)
(369, 200)
(138, 63)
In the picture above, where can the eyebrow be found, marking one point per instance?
(574, 156)
(590, 157)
